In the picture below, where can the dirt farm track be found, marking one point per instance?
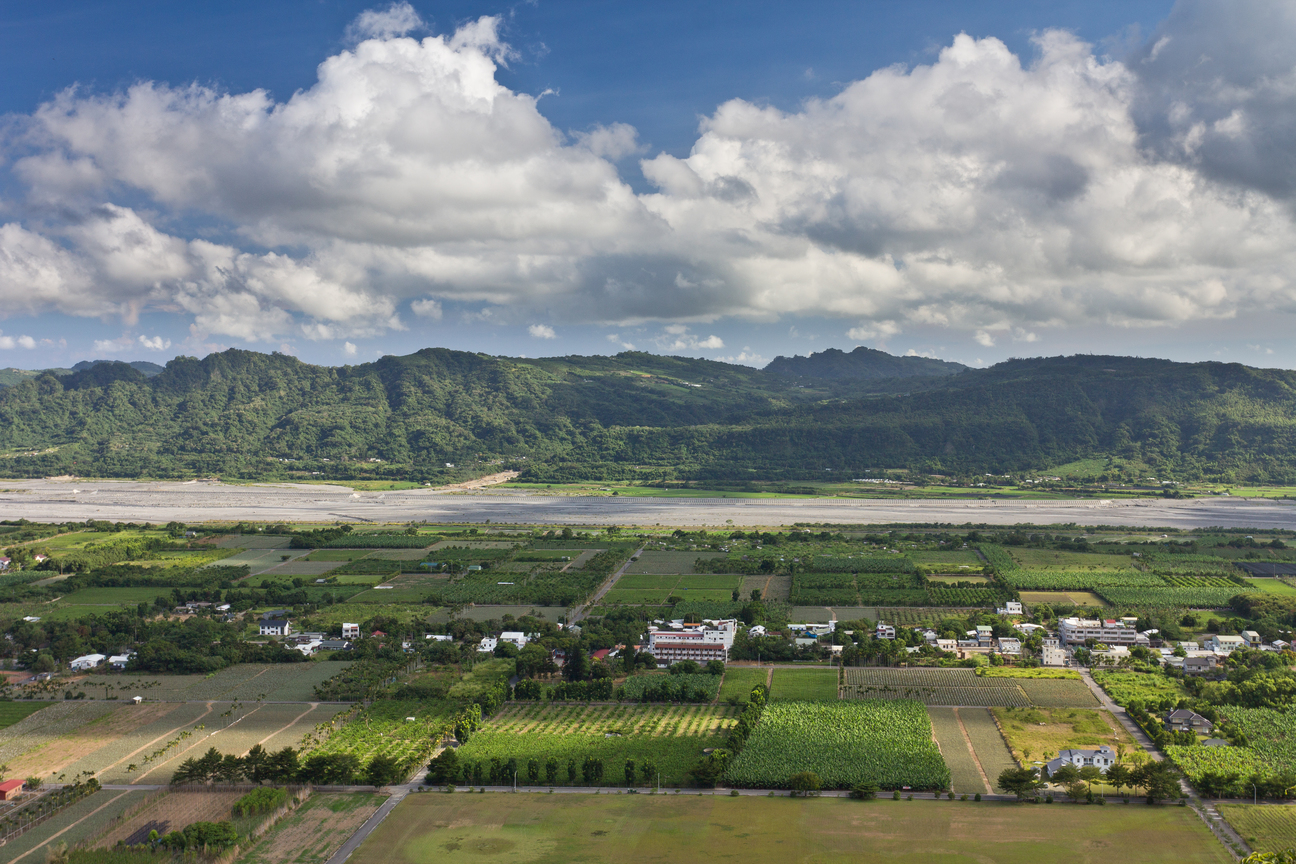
(202, 501)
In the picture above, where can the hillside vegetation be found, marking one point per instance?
(635, 415)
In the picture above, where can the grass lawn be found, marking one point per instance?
(1266, 828)
(809, 685)
(1076, 598)
(739, 681)
(12, 712)
(114, 596)
(1032, 732)
(1146, 687)
(539, 828)
(1273, 586)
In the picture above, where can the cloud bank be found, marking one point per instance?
(977, 193)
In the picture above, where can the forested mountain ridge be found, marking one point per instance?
(245, 414)
(835, 364)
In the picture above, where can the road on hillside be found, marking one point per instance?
(195, 501)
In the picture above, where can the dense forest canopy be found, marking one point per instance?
(635, 415)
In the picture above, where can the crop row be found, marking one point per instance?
(920, 676)
(886, 743)
(385, 729)
(666, 721)
(1174, 598)
(669, 739)
(1205, 581)
(1270, 752)
(888, 564)
(1078, 580)
(377, 541)
(1002, 697)
(998, 558)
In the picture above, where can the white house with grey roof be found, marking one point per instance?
(1102, 759)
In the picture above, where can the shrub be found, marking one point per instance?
(260, 801)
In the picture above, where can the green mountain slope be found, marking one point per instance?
(244, 414)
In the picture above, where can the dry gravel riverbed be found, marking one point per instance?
(200, 501)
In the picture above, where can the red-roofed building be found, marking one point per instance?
(10, 789)
(600, 654)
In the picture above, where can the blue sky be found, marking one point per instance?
(728, 180)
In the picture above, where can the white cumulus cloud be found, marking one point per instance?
(977, 193)
(542, 331)
(157, 343)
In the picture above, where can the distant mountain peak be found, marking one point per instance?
(144, 366)
(863, 362)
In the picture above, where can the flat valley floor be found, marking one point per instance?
(193, 502)
(538, 828)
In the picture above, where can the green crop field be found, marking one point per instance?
(12, 712)
(811, 684)
(343, 555)
(631, 829)
(1265, 828)
(114, 596)
(846, 743)
(1040, 559)
(667, 563)
(932, 686)
(739, 681)
(987, 742)
(953, 558)
(1150, 688)
(1271, 749)
(672, 737)
(385, 728)
(1053, 693)
(1273, 586)
(965, 778)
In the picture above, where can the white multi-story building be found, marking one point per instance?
(701, 644)
(276, 627)
(1009, 646)
(1074, 631)
(516, 637)
(884, 631)
(350, 631)
(1052, 655)
(1225, 644)
(1012, 607)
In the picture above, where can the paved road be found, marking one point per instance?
(161, 502)
(1204, 808)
